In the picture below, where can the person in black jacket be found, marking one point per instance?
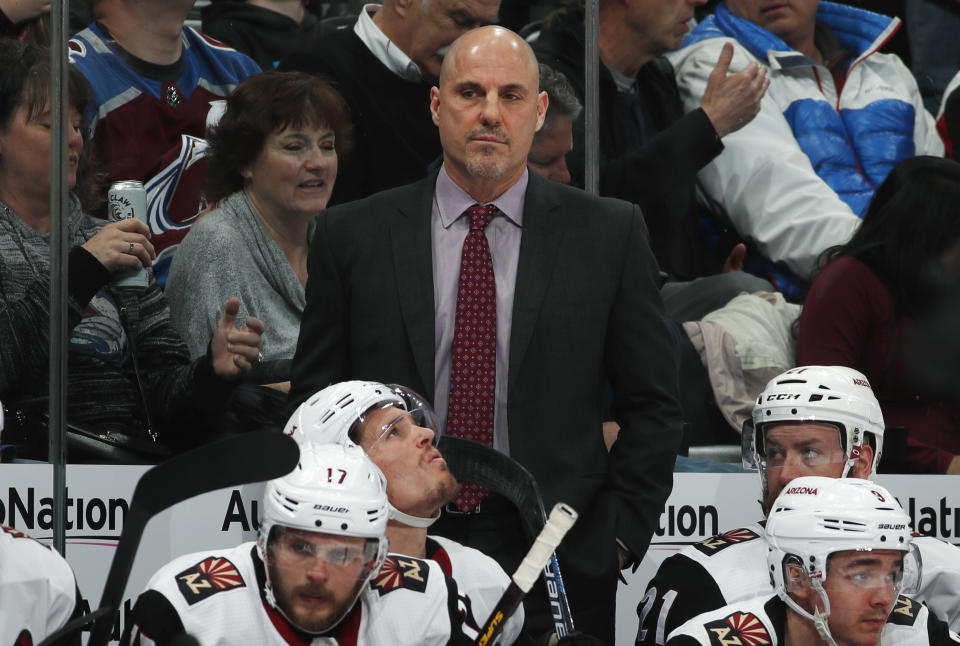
(650, 150)
(266, 32)
(384, 67)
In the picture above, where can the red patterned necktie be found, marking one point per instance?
(473, 377)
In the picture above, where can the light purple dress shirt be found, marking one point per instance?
(448, 231)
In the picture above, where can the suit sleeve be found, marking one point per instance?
(321, 356)
(680, 591)
(641, 364)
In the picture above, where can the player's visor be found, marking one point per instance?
(810, 449)
(388, 420)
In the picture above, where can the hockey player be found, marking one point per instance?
(837, 551)
(397, 429)
(318, 573)
(815, 420)
(38, 592)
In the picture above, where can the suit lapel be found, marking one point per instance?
(413, 264)
(543, 226)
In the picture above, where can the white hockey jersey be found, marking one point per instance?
(732, 566)
(217, 597)
(38, 592)
(481, 582)
(761, 621)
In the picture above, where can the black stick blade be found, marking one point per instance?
(237, 460)
(241, 459)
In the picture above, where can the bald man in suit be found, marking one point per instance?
(576, 303)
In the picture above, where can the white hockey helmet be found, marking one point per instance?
(331, 414)
(334, 413)
(815, 517)
(334, 490)
(835, 395)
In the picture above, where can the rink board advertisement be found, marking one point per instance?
(700, 506)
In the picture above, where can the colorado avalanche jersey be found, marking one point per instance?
(481, 582)
(217, 597)
(38, 592)
(760, 622)
(731, 567)
(149, 123)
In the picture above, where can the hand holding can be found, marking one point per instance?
(128, 199)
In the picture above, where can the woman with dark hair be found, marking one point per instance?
(273, 162)
(129, 372)
(869, 306)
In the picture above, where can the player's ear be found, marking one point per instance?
(864, 464)
(795, 578)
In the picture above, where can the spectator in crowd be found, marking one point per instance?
(650, 151)
(384, 67)
(264, 30)
(129, 371)
(574, 300)
(554, 141)
(863, 307)
(38, 591)
(153, 80)
(796, 180)
(934, 53)
(272, 165)
(25, 20)
(398, 431)
(313, 576)
(808, 421)
(948, 118)
(832, 585)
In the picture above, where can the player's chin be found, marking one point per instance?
(314, 616)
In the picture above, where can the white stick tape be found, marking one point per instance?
(560, 521)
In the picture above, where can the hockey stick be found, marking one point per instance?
(474, 462)
(560, 521)
(241, 459)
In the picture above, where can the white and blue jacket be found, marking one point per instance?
(796, 180)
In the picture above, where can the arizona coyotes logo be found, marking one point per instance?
(738, 629)
(208, 577)
(904, 612)
(716, 543)
(399, 573)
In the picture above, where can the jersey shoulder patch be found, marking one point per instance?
(720, 542)
(401, 572)
(904, 612)
(208, 577)
(738, 629)
(16, 533)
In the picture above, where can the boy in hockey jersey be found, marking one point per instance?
(397, 429)
(837, 553)
(153, 81)
(318, 573)
(813, 420)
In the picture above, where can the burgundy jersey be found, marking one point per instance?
(149, 123)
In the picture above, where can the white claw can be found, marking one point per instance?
(128, 199)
